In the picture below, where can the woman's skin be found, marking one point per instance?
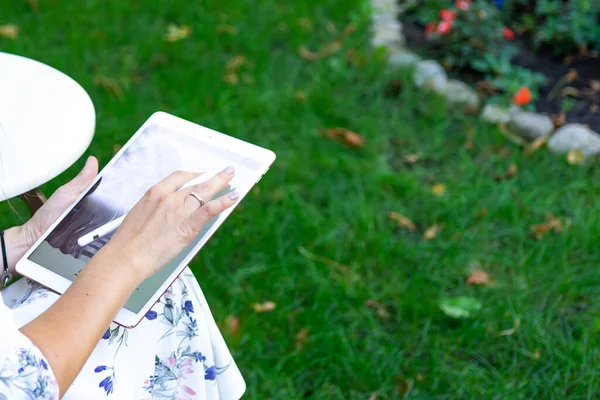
(160, 225)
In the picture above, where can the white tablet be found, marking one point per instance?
(162, 145)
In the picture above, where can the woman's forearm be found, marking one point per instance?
(69, 330)
(16, 246)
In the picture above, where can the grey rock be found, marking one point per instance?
(403, 59)
(530, 125)
(462, 95)
(387, 34)
(494, 114)
(431, 75)
(575, 136)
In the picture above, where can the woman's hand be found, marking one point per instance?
(165, 221)
(20, 239)
(59, 202)
(156, 229)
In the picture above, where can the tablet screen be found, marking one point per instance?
(155, 153)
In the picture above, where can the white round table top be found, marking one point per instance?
(47, 121)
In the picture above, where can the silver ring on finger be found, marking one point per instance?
(197, 197)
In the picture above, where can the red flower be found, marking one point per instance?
(444, 27)
(447, 15)
(508, 33)
(429, 29)
(523, 96)
(463, 5)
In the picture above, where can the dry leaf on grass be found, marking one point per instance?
(9, 31)
(575, 157)
(411, 158)
(116, 148)
(232, 323)
(33, 5)
(536, 145)
(439, 189)
(402, 221)
(373, 396)
(264, 307)
(329, 49)
(110, 84)
(346, 136)
(478, 277)
(432, 231)
(382, 312)
(511, 171)
(227, 29)
(301, 338)
(551, 223)
(176, 33)
(511, 331)
(301, 96)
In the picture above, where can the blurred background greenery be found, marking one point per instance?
(357, 295)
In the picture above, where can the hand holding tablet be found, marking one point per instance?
(144, 210)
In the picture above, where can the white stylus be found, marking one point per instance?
(114, 224)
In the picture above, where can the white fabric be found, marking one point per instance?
(176, 352)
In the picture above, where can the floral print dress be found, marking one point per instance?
(176, 352)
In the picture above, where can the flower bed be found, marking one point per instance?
(541, 55)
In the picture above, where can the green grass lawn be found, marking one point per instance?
(314, 236)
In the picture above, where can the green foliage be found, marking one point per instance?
(476, 41)
(566, 26)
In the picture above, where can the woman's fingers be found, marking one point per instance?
(211, 209)
(78, 184)
(206, 190)
(170, 184)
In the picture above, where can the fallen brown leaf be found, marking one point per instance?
(373, 396)
(346, 136)
(402, 386)
(411, 158)
(110, 84)
(234, 64)
(511, 331)
(232, 79)
(33, 5)
(481, 213)
(329, 49)
(264, 307)
(536, 145)
(558, 120)
(432, 231)
(511, 172)
(300, 96)
(116, 148)
(569, 91)
(402, 221)
(571, 76)
(551, 223)
(382, 312)
(176, 33)
(305, 23)
(575, 157)
(9, 31)
(301, 338)
(232, 323)
(478, 277)
(439, 189)
(419, 378)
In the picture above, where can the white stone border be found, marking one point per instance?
(429, 74)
